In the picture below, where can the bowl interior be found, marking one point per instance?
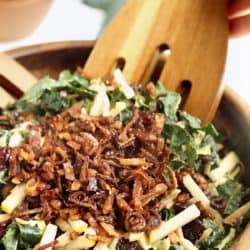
(232, 117)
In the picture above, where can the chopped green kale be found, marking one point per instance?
(3, 176)
(215, 237)
(116, 96)
(47, 95)
(170, 102)
(10, 238)
(54, 102)
(232, 192)
(175, 247)
(182, 147)
(191, 121)
(167, 214)
(21, 237)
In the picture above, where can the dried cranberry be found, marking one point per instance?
(147, 118)
(218, 203)
(193, 230)
(124, 244)
(2, 231)
(4, 156)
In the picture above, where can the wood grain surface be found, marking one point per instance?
(196, 32)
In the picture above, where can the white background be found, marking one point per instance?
(72, 20)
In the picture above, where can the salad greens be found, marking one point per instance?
(49, 95)
(21, 236)
(232, 193)
(170, 104)
(3, 176)
(167, 214)
(215, 237)
(175, 247)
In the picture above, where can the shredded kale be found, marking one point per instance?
(170, 102)
(160, 88)
(47, 94)
(182, 147)
(125, 115)
(54, 102)
(175, 247)
(210, 141)
(215, 238)
(145, 102)
(167, 214)
(232, 192)
(211, 130)
(191, 121)
(3, 176)
(29, 235)
(116, 96)
(10, 238)
(21, 237)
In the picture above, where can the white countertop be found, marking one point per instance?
(72, 20)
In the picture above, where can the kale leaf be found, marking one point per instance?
(3, 176)
(54, 102)
(211, 130)
(116, 96)
(232, 192)
(46, 95)
(21, 236)
(10, 238)
(191, 121)
(174, 247)
(215, 237)
(125, 115)
(182, 147)
(160, 88)
(170, 102)
(166, 214)
(145, 102)
(35, 92)
(28, 235)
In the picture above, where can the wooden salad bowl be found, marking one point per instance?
(232, 117)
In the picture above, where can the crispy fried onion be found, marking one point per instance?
(94, 168)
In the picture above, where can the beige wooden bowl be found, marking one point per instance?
(18, 18)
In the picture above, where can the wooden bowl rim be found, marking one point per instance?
(18, 3)
(229, 94)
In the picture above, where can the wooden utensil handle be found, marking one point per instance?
(243, 243)
(14, 79)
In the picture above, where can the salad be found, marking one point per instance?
(101, 164)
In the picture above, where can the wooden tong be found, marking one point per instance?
(194, 31)
(14, 79)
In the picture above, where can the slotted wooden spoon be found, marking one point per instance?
(14, 79)
(196, 33)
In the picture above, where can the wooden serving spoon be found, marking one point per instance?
(194, 31)
(14, 79)
(242, 243)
